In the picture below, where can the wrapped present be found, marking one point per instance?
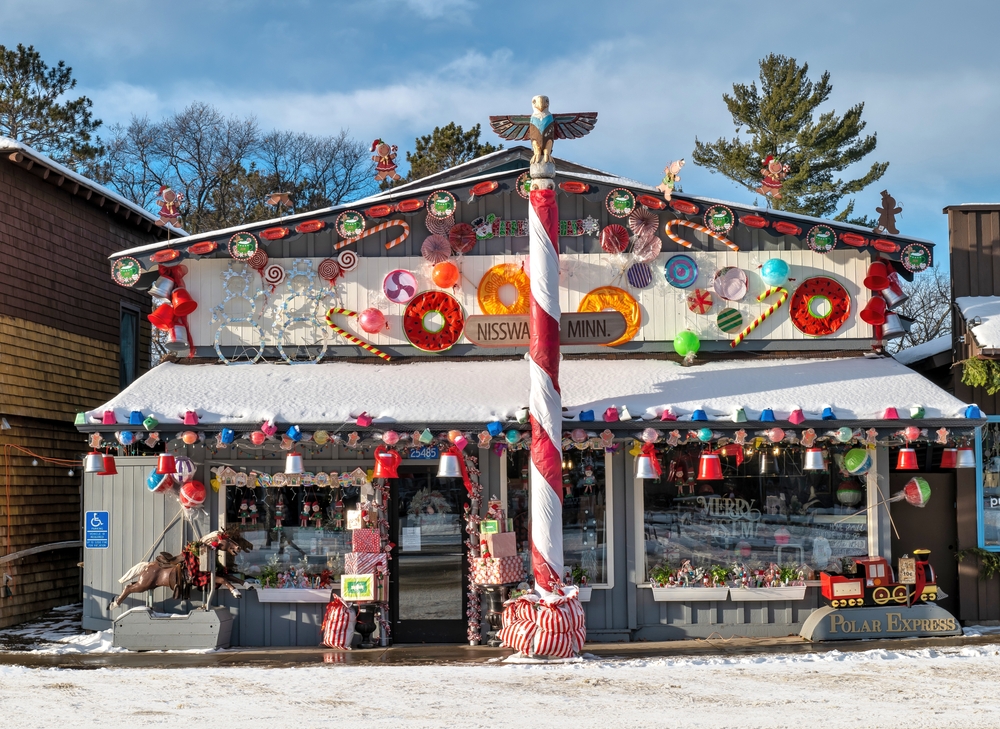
(503, 544)
(366, 540)
(553, 626)
(359, 563)
(338, 624)
(497, 571)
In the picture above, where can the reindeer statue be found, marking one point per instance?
(182, 572)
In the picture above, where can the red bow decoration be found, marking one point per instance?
(733, 450)
(649, 450)
(461, 465)
(177, 274)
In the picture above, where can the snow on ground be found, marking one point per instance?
(915, 689)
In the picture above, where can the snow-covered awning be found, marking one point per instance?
(982, 314)
(436, 392)
(938, 345)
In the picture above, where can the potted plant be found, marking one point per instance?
(778, 582)
(579, 577)
(688, 584)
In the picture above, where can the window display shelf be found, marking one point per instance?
(766, 594)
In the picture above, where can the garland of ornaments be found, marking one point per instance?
(474, 611)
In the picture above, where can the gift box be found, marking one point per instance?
(360, 563)
(502, 545)
(366, 540)
(494, 571)
(489, 526)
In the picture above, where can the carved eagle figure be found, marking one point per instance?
(542, 127)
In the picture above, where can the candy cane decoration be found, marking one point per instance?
(350, 337)
(701, 229)
(770, 310)
(371, 231)
(545, 400)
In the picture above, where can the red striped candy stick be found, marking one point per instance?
(371, 231)
(350, 337)
(770, 310)
(701, 229)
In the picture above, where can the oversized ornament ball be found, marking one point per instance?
(321, 437)
(453, 435)
(917, 491)
(189, 437)
(512, 436)
(126, 437)
(776, 435)
(774, 272)
(445, 275)
(192, 494)
(857, 461)
(850, 493)
(704, 434)
(911, 433)
(184, 469)
(390, 437)
(686, 343)
(650, 435)
(257, 437)
(844, 434)
(578, 435)
(158, 482)
(372, 320)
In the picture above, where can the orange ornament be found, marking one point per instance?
(445, 275)
(189, 437)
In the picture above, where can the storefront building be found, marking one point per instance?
(719, 364)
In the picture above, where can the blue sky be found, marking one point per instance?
(655, 72)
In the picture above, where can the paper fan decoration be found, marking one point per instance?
(614, 238)
(462, 238)
(643, 222)
(646, 248)
(435, 249)
(439, 226)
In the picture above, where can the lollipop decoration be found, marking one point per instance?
(917, 492)
(329, 270)
(258, 261)
(273, 276)
(614, 238)
(348, 261)
(782, 298)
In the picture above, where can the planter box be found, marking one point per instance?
(585, 593)
(690, 594)
(755, 594)
(140, 629)
(292, 594)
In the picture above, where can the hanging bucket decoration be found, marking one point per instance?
(93, 462)
(966, 458)
(709, 467)
(165, 464)
(813, 460)
(448, 466)
(108, 468)
(949, 458)
(386, 463)
(293, 463)
(907, 460)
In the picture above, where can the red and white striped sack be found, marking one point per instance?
(553, 645)
(560, 616)
(338, 624)
(518, 635)
(579, 638)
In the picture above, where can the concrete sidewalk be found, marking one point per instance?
(415, 655)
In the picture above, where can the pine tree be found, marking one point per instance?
(445, 147)
(782, 119)
(34, 110)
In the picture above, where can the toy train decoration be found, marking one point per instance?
(875, 584)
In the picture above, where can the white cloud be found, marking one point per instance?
(434, 9)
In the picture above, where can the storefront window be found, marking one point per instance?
(297, 532)
(991, 485)
(765, 510)
(585, 514)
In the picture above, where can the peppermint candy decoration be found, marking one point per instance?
(439, 226)
(273, 275)
(646, 247)
(329, 270)
(348, 261)
(258, 260)
(640, 275)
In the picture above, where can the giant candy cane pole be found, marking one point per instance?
(545, 400)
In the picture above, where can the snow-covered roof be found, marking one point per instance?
(985, 310)
(859, 388)
(12, 145)
(924, 350)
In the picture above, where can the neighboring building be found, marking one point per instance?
(69, 339)
(814, 365)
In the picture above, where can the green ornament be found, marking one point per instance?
(686, 343)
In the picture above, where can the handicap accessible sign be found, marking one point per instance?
(96, 529)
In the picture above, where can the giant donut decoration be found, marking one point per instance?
(612, 297)
(497, 277)
(430, 302)
(813, 293)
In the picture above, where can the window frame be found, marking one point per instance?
(123, 307)
(980, 515)
(609, 516)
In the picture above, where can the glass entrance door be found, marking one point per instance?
(428, 573)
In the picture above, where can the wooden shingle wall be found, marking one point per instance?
(59, 340)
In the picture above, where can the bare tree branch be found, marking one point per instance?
(930, 305)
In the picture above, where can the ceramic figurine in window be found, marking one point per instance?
(280, 512)
(484, 550)
(244, 512)
(337, 515)
(773, 174)
(253, 511)
(305, 513)
(317, 516)
(671, 176)
(588, 480)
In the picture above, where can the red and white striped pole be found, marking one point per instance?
(545, 400)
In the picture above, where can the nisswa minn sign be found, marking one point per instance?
(600, 327)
